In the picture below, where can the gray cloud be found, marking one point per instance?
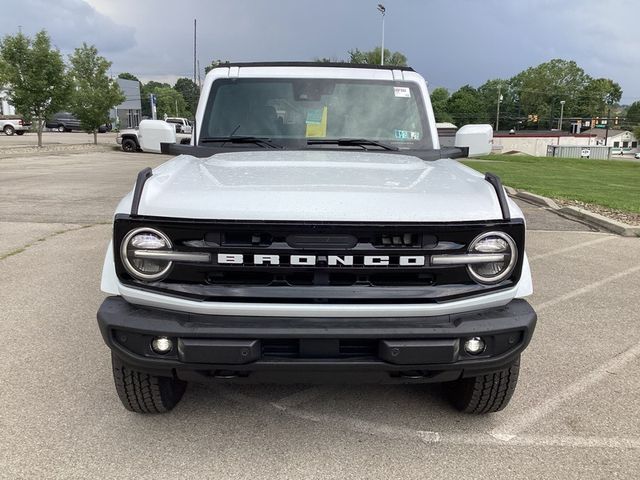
(69, 23)
(451, 42)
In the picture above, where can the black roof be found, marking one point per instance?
(315, 64)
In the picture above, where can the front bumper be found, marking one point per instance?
(386, 350)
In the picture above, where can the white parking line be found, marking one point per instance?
(462, 438)
(586, 288)
(572, 247)
(567, 441)
(300, 397)
(510, 430)
(493, 438)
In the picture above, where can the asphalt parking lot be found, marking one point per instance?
(575, 414)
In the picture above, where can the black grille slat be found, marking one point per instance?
(347, 348)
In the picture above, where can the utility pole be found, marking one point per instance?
(498, 107)
(195, 27)
(383, 11)
(194, 135)
(562, 102)
(606, 133)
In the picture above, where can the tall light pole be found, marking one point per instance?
(382, 10)
(498, 107)
(562, 102)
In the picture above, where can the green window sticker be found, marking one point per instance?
(406, 135)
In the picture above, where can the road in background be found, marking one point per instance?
(575, 413)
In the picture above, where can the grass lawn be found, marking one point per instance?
(610, 183)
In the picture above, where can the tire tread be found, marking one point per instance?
(141, 392)
(485, 393)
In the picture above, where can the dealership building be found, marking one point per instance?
(5, 107)
(129, 113)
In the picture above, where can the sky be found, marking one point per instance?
(450, 42)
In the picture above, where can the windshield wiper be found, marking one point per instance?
(348, 142)
(262, 141)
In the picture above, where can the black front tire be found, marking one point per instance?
(9, 130)
(485, 393)
(129, 145)
(141, 392)
(61, 128)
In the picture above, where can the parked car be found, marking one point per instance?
(182, 124)
(67, 122)
(316, 230)
(637, 155)
(10, 124)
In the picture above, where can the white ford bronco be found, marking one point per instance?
(315, 231)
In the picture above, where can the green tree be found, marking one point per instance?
(128, 76)
(327, 60)
(497, 90)
(147, 89)
(190, 92)
(94, 93)
(152, 85)
(35, 76)
(540, 89)
(636, 133)
(597, 96)
(373, 57)
(467, 106)
(439, 98)
(170, 103)
(633, 115)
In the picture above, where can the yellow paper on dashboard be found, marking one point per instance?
(317, 123)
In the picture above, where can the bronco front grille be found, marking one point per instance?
(347, 262)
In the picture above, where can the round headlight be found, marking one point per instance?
(140, 240)
(493, 243)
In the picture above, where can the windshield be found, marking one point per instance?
(296, 112)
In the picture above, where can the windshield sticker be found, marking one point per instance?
(402, 92)
(317, 123)
(407, 135)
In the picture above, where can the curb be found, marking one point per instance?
(601, 221)
(578, 213)
(54, 148)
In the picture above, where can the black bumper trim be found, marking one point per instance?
(430, 345)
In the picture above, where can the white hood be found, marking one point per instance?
(318, 186)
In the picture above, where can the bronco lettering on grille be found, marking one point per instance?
(331, 260)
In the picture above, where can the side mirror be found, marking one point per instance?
(477, 138)
(151, 133)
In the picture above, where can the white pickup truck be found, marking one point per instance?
(315, 230)
(182, 125)
(10, 124)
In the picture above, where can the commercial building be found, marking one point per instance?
(5, 107)
(446, 133)
(622, 141)
(534, 142)
(129, 113)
